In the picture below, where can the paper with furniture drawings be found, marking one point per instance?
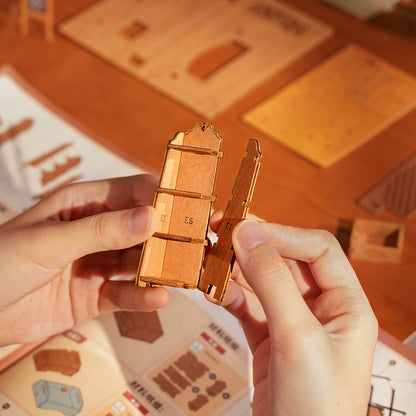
(337, 106)
(190, 358)
(204, 54)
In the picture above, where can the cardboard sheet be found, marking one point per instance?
(206, 55)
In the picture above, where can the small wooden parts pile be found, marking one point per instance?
(173, 256)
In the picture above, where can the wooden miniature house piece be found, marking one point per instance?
(173, 256)
(376, 241)
(39, 10)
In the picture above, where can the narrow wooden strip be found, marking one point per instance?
(189, 194)
(181, 238)
(197, 150)
(217, 273)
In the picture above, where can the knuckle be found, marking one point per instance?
(101, 229)
(326, 238)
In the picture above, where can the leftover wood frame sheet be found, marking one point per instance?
(206, 55)
(42, 148)
(336, 107)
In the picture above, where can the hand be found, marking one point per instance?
(59, 257)
(307, 320)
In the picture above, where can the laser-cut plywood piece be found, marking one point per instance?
(173, 255)
(217, 272)
(40, 10)
(396, 192)
(336, 107)
(59, 360)
(376, 241)
(143, 326)
(234, 47)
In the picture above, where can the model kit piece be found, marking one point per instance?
(60, 397)
(174, 255)
(216, 388)
(191, 366)
(143, 326)
(217, 272)
(40, 10)
(198, 402)
(176, 377)
(15, 130)
(62, 361)
(376, 241)
(166, 386)
(396, 192)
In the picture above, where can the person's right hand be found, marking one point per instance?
(307, 320)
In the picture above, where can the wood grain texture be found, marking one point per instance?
(215, 279)
(138, 119)
(174, 255)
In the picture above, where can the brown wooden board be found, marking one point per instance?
(216, 276)
(204, 54)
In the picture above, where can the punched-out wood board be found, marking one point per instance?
(336, 107)
(204, 54)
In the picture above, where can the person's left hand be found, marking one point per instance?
(57, 259)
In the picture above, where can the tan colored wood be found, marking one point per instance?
(234, 45)
(337, 106)
(46, 17)
(174, 255)
(216, 276)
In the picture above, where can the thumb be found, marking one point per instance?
(270, 278)
(64, 242)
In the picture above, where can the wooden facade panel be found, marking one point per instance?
(197, 173)
(183, 263)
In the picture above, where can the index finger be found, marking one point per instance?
(319, 249)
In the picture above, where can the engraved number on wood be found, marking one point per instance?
(162, 218)
(189, 220)
(228, 226)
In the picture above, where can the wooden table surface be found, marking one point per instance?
(138, 120)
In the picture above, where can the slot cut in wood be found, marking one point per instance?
(173, 256)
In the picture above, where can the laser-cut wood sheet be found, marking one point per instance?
(336, 107)
(204, 54)
(173, 256)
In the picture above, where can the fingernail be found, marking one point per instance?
(140, 220)
(250, 235)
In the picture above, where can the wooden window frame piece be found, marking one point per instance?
(215, 278)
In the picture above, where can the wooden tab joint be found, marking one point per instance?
(181, 238)
(197, 150)
(187, 194)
